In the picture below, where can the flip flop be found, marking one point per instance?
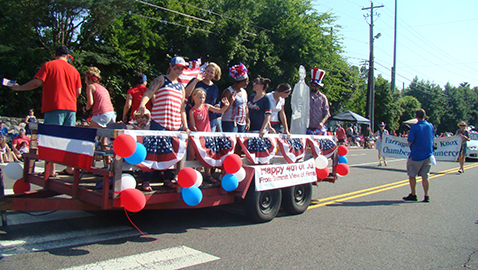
(170, 183)
(43, 174)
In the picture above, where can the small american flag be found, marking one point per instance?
(190, 72)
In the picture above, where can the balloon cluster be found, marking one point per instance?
(131, 198)
(321, 168)
(14, 171)
(235, 173)
(126, 147)
(190, 180)
(342, 168)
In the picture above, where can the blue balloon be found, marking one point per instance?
(192, 196)
(343, 159)
(138, 156)
(229, 182)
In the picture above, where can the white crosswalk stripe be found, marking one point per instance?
(171, 258)
(76, 238)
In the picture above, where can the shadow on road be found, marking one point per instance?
(382, 168)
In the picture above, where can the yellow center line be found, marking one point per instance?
(373, 190)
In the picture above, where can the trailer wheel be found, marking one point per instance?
(296, 199)
(262, 206)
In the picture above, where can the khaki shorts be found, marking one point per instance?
(421, 168)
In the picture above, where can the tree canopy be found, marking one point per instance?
(272, 38)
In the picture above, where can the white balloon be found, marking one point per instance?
(199, 179)
(13, 170)
(241, 174)
(321, 162)
(127, 181)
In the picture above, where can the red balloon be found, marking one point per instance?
(322, 173)
(187, 177)
(343, 150)
(232, 164)
(342, 169)
(132, 200)
(124, 145)
(20, 186)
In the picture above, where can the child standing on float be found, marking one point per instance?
(205, 82)
(199, 120)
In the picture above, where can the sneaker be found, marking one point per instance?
(426, 199)
(410, 197)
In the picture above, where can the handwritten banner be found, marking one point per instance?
(269, 177)
(396, 147)
(446, 148)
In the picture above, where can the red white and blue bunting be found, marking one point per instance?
(166, 148)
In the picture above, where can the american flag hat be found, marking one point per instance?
(238, 72)
(195, 63)
(317, 76)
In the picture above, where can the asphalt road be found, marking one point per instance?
(359, 222)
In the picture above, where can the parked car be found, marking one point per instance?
(472, 147)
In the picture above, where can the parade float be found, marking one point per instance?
(265, 173)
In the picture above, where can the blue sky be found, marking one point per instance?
(436, 40)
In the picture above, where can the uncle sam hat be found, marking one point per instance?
(317, 76)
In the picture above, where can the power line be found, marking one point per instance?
(174, 11)
(221, 15)
(431, 44)
(173, 23)
(441, 23)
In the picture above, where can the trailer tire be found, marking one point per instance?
(296, 199)
(262, 206)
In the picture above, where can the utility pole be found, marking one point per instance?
(394, 49)
(371, 78)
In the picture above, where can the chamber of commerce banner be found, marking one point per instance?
(446, 148)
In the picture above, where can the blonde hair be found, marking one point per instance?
(197, 92)
(95, 72)
(217, 71)
(147, 113)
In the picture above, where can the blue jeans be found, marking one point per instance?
(155, 126)
(60, 117)
(228, 126)
(241, 128)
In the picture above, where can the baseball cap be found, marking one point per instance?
(21, 130)
(178, 61)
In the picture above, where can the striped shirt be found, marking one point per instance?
(237, 111)
(166, 109)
